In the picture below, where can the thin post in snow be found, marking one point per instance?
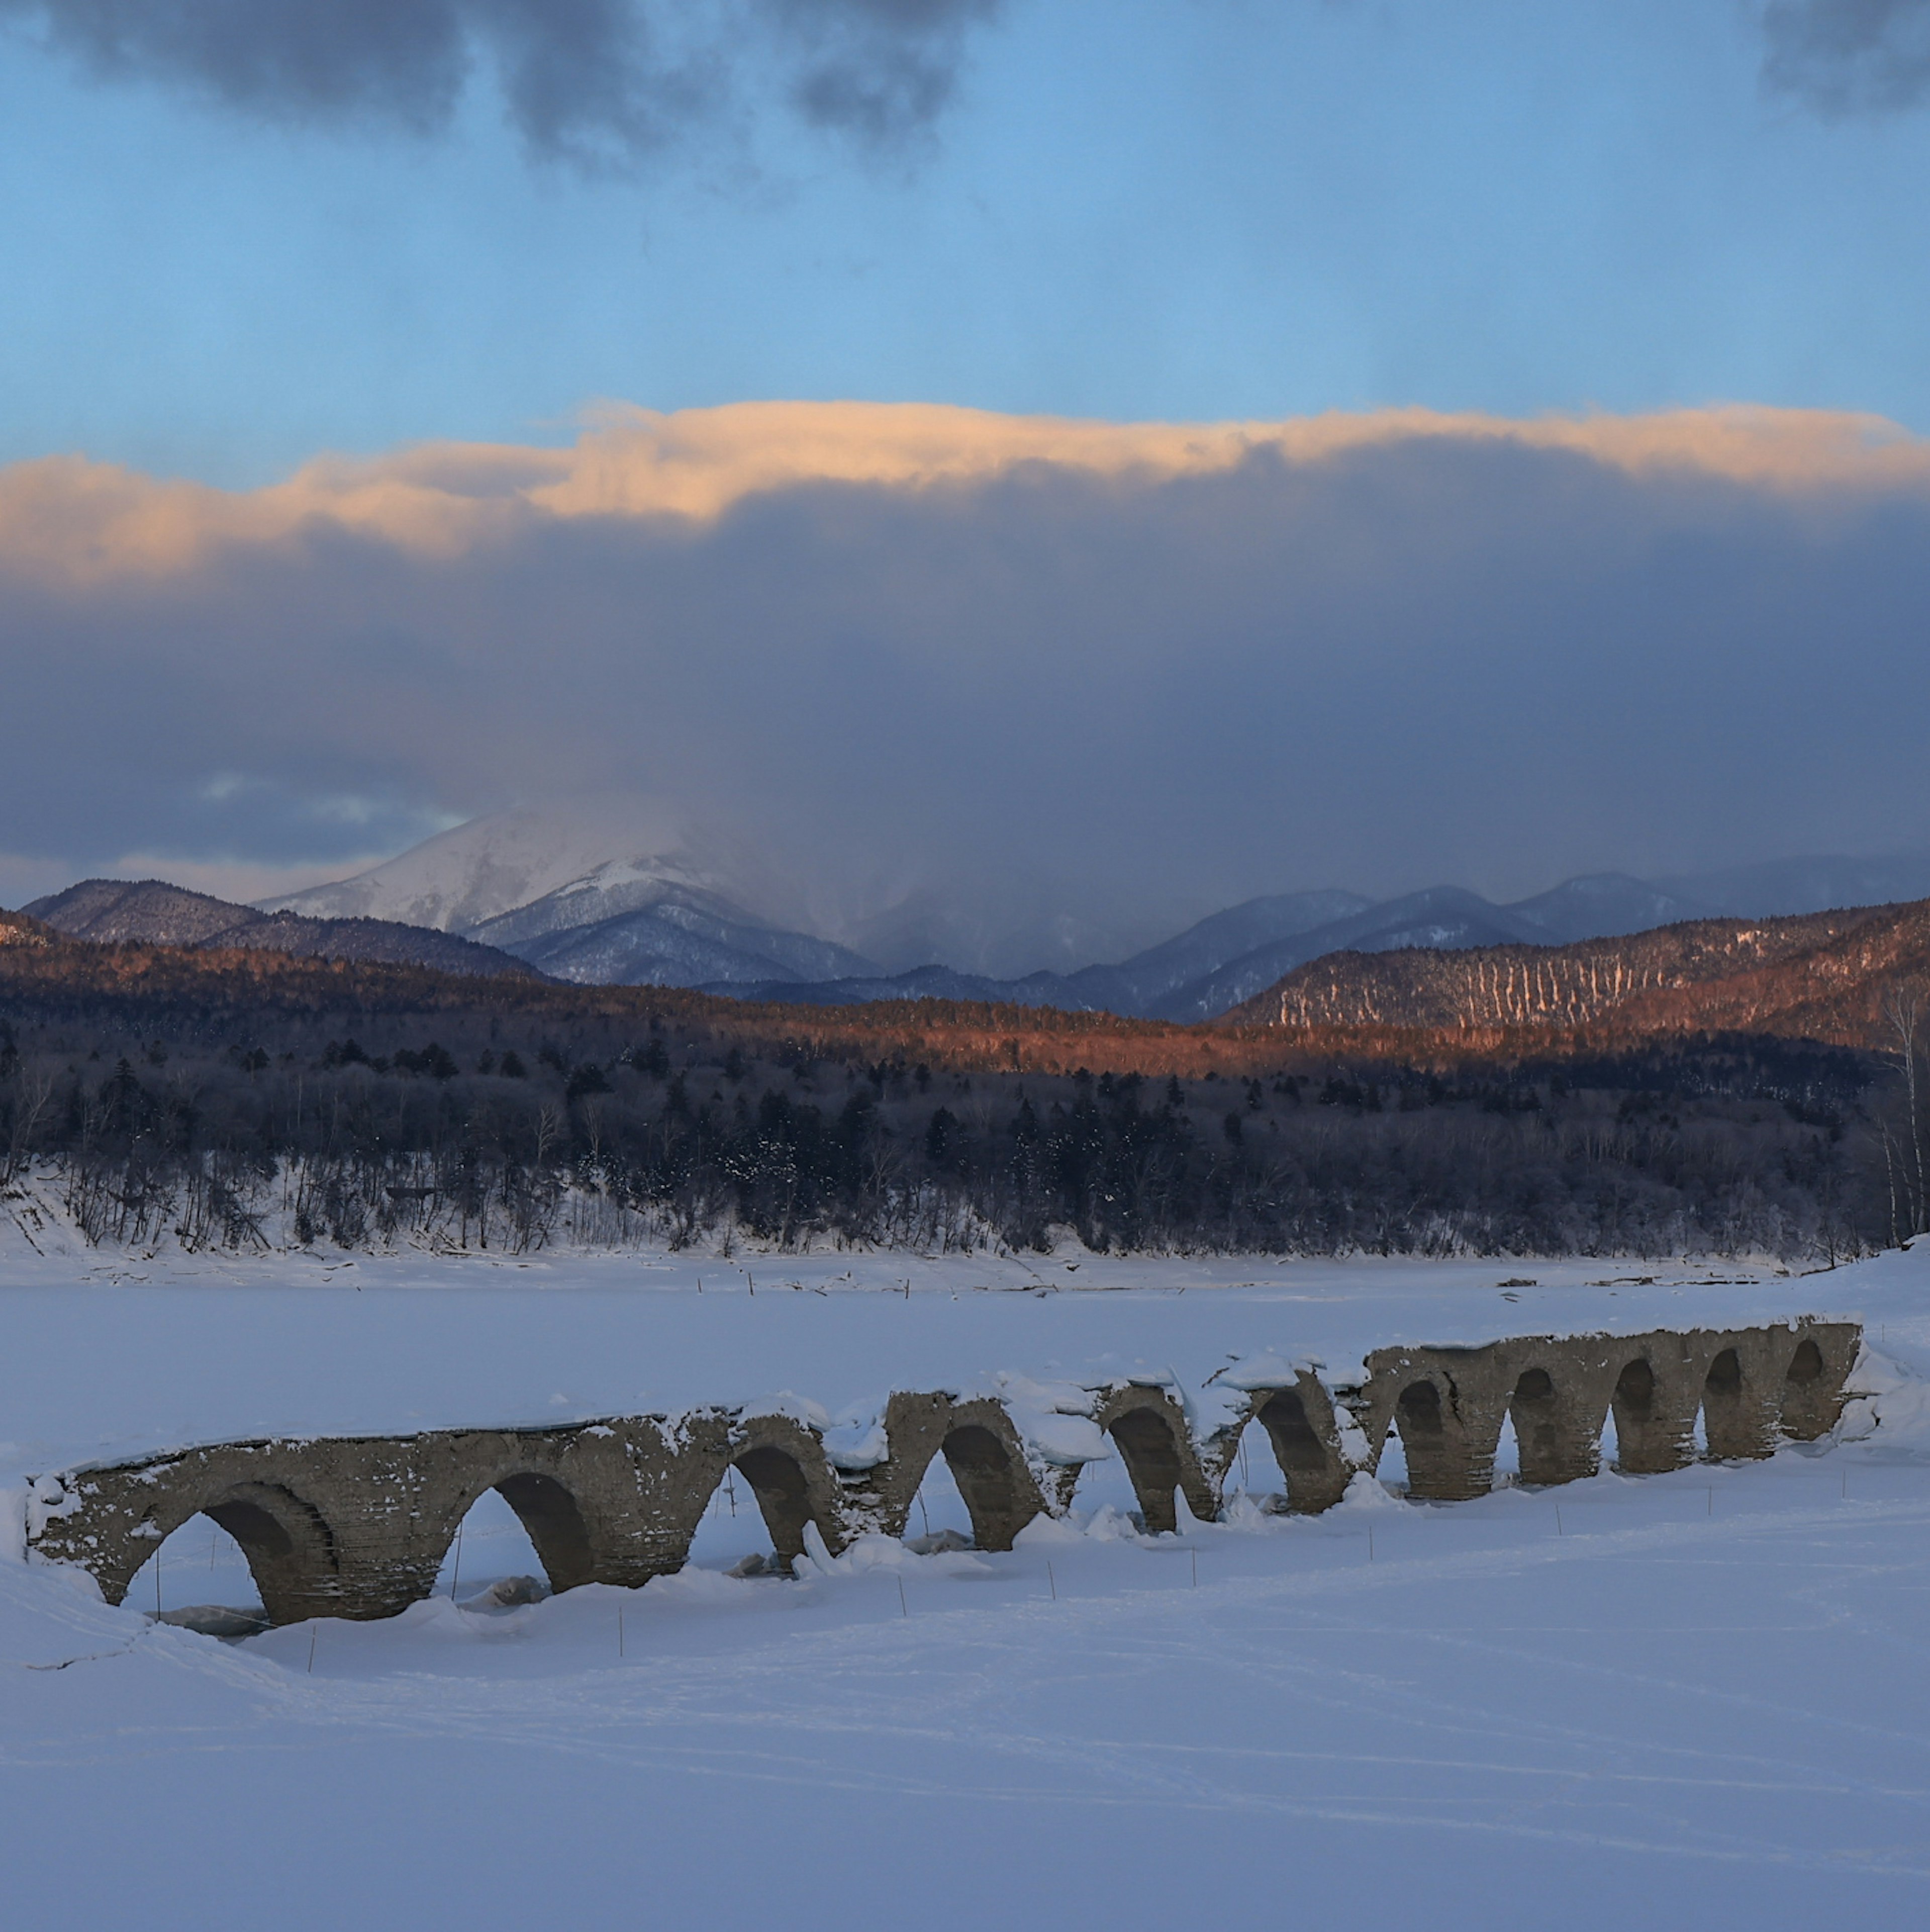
(1712, 1499)
(313, 1631)
(1558, 1527)
(752, 1279)
(157, 1599)
(1846, 1482)
(619, 1629)
(904, 1609)
(924, 1516)
(1195, 1555)
(1370, 1542)
(730, 1489)
(1051, 1582)
(456, 1570)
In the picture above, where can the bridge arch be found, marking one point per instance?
(1653, 1433)
(285, 1541)
(1736, 1422)
(1742, 1400)
(1417, 1411)
(1806, 1365)
(551, 1516)
(1149, 1429)
(1812, 1385)
(1000, 1494)
(1557, 1424)
(1305, 1444)
(1450, 1411)
(782, 1486)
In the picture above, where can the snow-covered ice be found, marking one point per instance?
(1700, 1699)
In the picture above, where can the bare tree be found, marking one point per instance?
(1903, 1013)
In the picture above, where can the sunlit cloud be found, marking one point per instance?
(68, 517)
(1118, 671)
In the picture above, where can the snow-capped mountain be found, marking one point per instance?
(672, 908)
(616, 927)
(603, 853)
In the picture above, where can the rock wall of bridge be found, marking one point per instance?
(359, 1526)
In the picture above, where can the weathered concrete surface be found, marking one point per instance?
(359, 1527)
(1149, 1431)
(1309, 1441)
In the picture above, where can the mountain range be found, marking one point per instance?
(615, 902)
(150, 912)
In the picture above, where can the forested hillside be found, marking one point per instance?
(239, 1097)
(1822, 976)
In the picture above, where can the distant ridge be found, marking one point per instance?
(637, 894)
(1822, 976)
(149, 912)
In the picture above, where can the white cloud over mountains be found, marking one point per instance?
(1142, 670)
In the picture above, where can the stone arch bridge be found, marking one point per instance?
(359, 1526)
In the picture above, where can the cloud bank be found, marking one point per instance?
(1134, 671)
(595, 82)
(1849, 56)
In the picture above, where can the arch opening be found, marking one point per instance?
(1418, 1411)
(286, 1546)
(1254, 1470)
(199, 1578)
(731, 1535)
(938, 1509)
(1650, 1430)
(783, 1496)
(1104, 1483)
(554, 1523)
(1635, 1389)
(1724, 1378)
(1392, 1469)
(492, 1561)
(1805, 1367)
(1507, 1471)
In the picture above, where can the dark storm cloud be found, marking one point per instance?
(1460, 656)
(1849, 56)
(592, 81)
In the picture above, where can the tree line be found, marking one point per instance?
(492, 1125)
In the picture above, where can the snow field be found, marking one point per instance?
(1702, 1698)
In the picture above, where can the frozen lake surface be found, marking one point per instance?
(1702, 1698)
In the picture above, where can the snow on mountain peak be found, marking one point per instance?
(461, 878)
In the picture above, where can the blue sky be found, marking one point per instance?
(1177, 208)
